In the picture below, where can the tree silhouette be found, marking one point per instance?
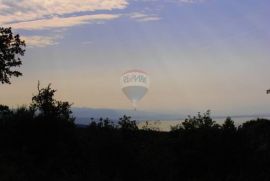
(38, 144)
(199, 121)
(126, 123)
(4, 110)
(228, 124)
(11, 50)
(45, 104)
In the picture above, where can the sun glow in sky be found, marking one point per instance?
(200, 54)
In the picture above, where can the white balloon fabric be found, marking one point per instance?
(135, 84)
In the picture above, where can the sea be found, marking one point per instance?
(165, 125)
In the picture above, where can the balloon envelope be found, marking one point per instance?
(135, 84)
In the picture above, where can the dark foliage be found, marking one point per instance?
(46, 106)
(126, 123)
(11, 50)
(42, 143)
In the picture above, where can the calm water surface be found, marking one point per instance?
(165, 125)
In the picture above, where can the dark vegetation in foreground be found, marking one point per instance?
(41, 142)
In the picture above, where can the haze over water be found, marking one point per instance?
(165, 125)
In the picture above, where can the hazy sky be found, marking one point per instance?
(200, 54)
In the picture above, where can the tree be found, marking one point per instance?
(45, 103)
(5, 113)
(126, 123)
(199, 121)
(11, 50)
(4, 110)
(202, 121)
(228, 124)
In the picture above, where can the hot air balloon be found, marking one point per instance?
(135, 84)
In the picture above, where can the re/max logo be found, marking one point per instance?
(134, 78)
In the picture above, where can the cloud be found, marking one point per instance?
(190, 1)
(3, 6)
(55, 15)
(138, 15)
(24, 11)
(142, 17)
(39, 41)
(181, 1)
(150, 18)
(59, 22)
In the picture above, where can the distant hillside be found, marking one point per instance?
(83, 115)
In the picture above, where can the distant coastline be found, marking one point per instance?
(160, 121)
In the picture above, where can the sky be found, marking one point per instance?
(199, 54)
